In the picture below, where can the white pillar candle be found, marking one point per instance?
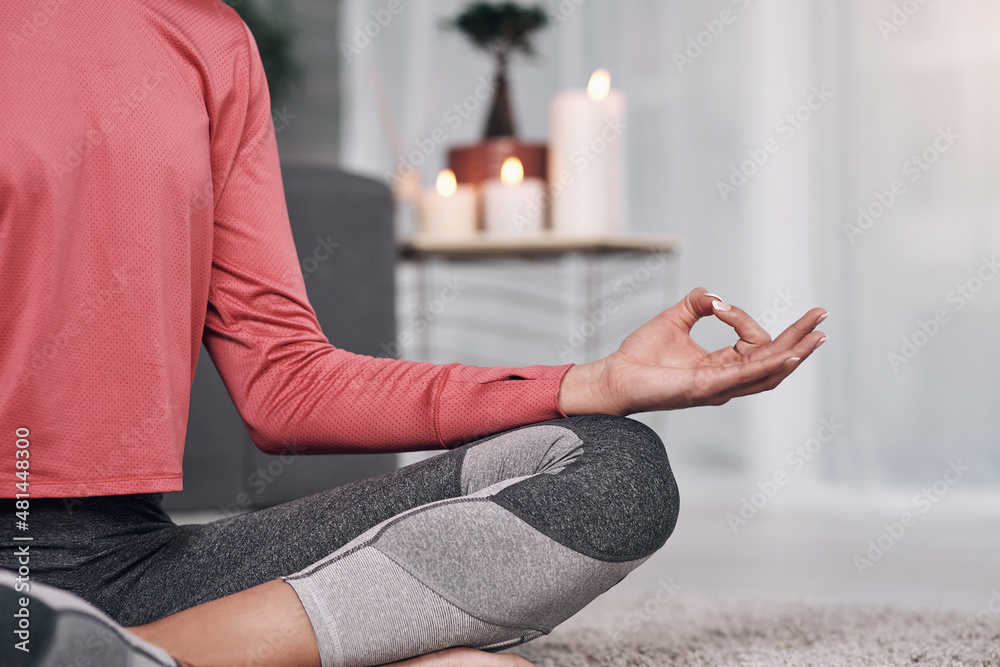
(448, 209)
(513, 205)
(587, 159)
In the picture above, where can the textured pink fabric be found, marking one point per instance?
(141, 208)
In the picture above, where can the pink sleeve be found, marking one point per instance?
(291, 386)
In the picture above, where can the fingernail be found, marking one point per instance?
(718, 305)
(792, 361)
(714, 296)
(820, 342)
(822, 317)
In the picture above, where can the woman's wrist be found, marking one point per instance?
(579, 392)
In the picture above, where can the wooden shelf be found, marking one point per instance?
(420, 246)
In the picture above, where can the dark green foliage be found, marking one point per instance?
(501, 28)
(274, 31)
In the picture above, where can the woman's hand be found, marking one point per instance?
(659, 366)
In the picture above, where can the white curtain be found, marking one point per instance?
(818, 107)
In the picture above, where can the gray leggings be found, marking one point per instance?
(488, 545)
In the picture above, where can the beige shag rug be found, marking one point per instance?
(682, 630)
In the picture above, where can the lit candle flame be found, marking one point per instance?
(512, 171)
(600, 85)
(446, 183)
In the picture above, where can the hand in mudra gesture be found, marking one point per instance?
(659, 366)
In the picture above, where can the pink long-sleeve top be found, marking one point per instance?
(142, 212)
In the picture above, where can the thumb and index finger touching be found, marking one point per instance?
(699, 303)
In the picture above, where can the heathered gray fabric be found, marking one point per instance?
(364, 596)
(531, 580)
(368, 537)
(617, 501)
(516, 453)
(124, 555)
(356, 593)
(484, 560)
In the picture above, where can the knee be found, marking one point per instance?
(621, 490)
(638, 498)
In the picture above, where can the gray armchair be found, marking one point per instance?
(343, 231)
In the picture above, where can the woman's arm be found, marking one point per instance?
(292, 387)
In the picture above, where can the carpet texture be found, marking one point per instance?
(664, 628)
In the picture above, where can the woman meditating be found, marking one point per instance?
(141, 214)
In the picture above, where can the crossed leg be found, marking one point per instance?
(484, 547)
(224, 631)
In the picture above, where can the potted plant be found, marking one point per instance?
(503, 29)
